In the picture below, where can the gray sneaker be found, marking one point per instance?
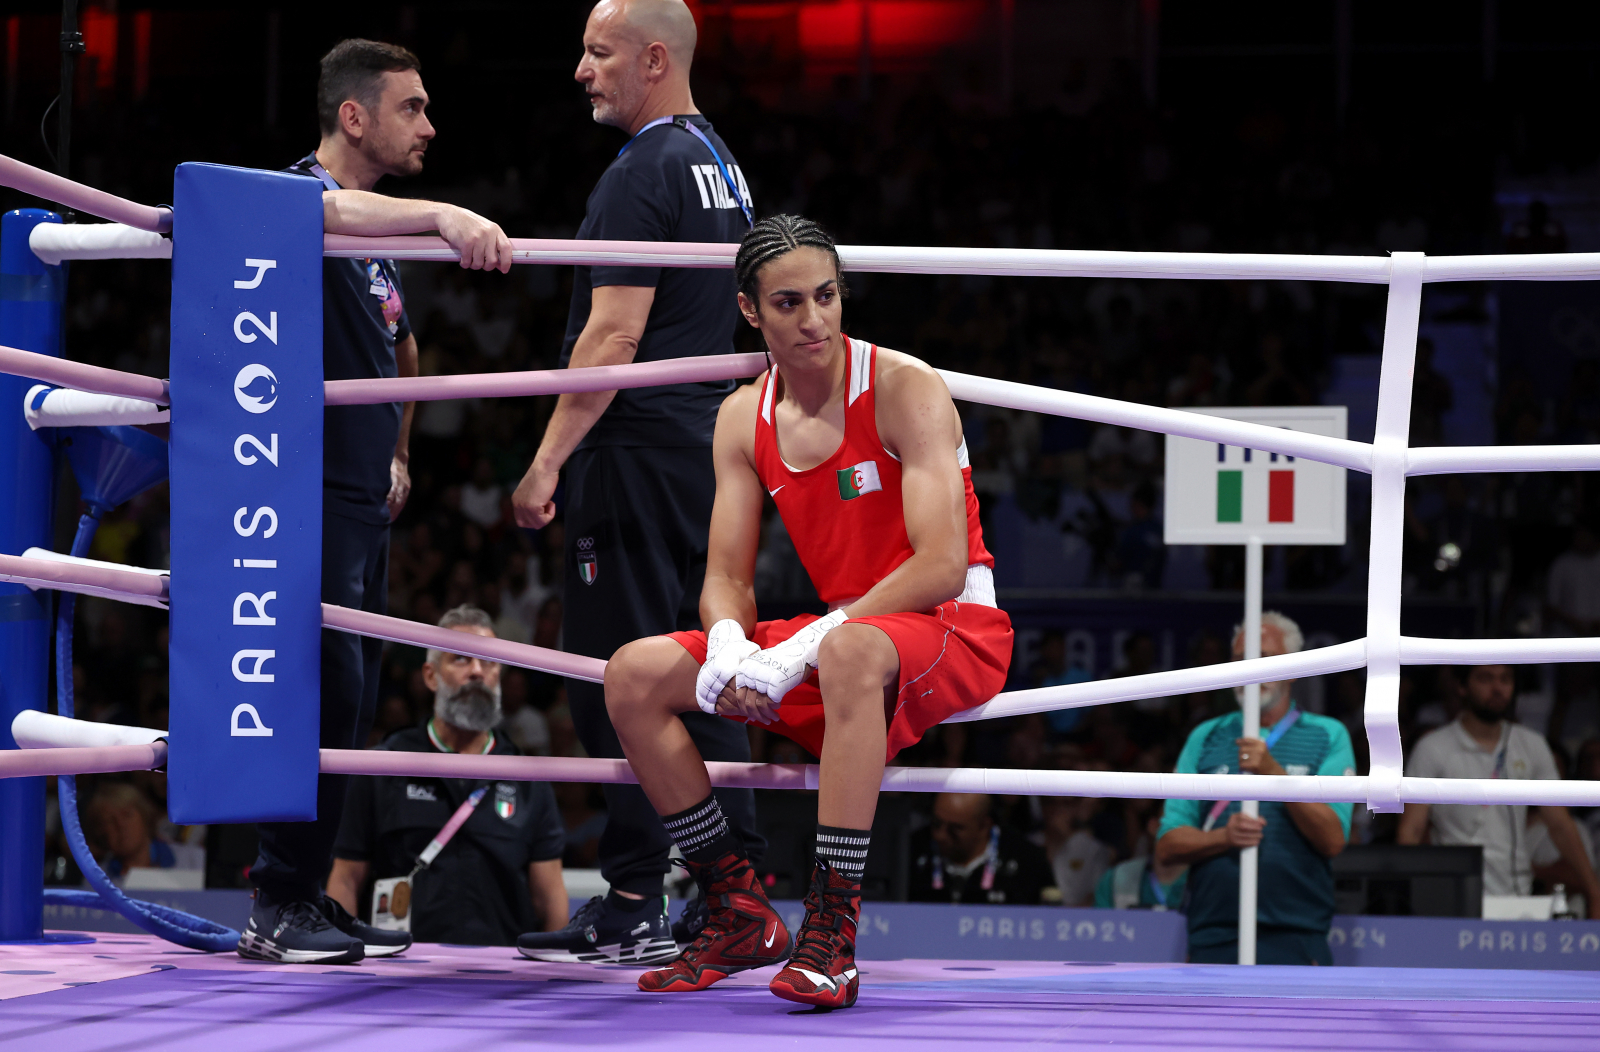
(295, 932)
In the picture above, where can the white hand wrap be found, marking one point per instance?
(726, 646)
(779, 669)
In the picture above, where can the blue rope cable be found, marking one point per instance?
(185, 929)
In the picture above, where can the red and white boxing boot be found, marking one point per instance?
(822, 971)
(742, 932)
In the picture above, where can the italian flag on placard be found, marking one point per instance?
(1230, 496)
(863, 478)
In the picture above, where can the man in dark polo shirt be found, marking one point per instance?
(639, 480)
(500, 874)
(964, 856)
(371, 106)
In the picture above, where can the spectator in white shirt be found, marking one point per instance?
(1484, 743)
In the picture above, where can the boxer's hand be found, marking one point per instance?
(757, 708)
(399, 487)
(779, 669)
(726, 647)
(533, 503)
(481, 244)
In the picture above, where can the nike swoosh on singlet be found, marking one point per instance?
(774, 492)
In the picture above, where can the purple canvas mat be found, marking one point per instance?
(488, 998)
(36, 969)
(355, 1010)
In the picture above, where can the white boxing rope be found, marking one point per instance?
(39, 568)
(33, 729)
(1449, 460)
(101, 759)
(523, 655)
(1342, 452)
(47, 406)
(1008, 262)
(1381, 712)
(55, 242)
(1551, 266)
(1419, 651)
(35, 762)
(1118, 784)
(1317, 662)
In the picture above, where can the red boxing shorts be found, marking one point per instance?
(951, 658)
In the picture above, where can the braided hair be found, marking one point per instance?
(774, 237)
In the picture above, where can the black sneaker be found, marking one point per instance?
(601, 934)
(690, 921)
(376, 942)
(295, 932)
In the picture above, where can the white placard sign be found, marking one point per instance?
(1221, 494)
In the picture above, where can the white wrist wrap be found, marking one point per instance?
(726, 646)
(782, 667)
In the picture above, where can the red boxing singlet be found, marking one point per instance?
(845, 516)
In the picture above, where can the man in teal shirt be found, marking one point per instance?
(1296, 840)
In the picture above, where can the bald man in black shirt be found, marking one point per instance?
(638, 463)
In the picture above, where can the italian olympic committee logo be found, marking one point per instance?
(588, 567)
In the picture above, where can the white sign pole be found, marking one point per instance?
(1221, 494)
(1249, 858)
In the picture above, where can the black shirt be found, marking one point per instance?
(1022, 873)
(476, 891)
(363, 317)
(665, 187)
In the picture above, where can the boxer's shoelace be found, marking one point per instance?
(828, 910)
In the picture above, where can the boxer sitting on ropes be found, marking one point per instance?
(861, 449)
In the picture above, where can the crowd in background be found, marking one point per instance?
(936, 166)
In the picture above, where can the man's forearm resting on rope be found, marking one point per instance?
(481, 244)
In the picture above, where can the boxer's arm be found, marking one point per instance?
(918, 422)
(729, 590)
(481, 244)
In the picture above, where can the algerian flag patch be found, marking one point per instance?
(863, 478)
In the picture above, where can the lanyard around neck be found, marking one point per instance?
(1500, 757)
(991, 864)
(316, 169)
(688, 126)
(330, 183)
(462, 813)
(442, 747)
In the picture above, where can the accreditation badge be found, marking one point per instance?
(391, 904)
